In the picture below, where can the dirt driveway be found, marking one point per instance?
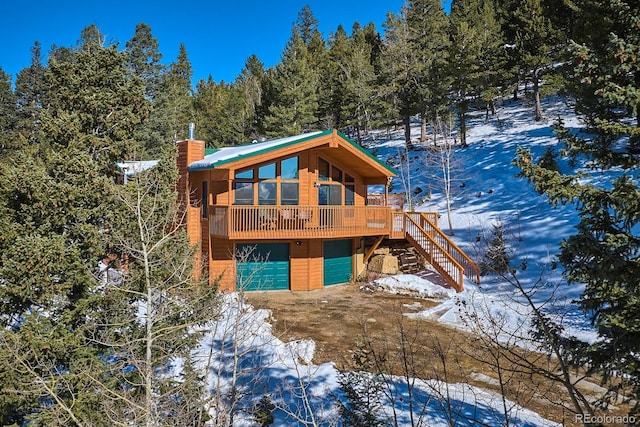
(336, 317)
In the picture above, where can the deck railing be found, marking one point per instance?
(326, 222)
(298, 222)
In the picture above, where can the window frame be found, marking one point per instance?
(257, 180)
(337, 176)
(235, 193)
(286, 202)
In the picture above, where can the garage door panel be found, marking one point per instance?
(337, 261)
(266, 266)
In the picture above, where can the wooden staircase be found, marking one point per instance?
(439, 250)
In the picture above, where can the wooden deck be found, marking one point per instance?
(299, 222)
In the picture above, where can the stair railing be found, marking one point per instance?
(444, 249)
(471, 269)
(436, 255)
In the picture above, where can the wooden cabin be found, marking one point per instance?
(293, 213)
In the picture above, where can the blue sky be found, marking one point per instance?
(218, 35)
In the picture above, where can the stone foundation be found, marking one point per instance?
(393, 257)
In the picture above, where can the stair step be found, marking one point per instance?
(433, 277)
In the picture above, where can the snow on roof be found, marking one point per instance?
(130, 168)
(227, 154)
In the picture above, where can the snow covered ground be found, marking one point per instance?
(489, 192)
(245, 362)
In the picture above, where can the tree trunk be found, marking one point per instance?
(446, 175)
(423, 128)
(407, 130)
(490, 108)
(148, 367)
(359, 135)
(462, 118)
(634, 139)
(450, 218)
(536, 94)
(435, 133)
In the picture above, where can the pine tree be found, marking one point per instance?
(91, 38)
(510, 80)
(215, 113)
(95, 97)
(464, 57)
(143, 58)
(293, 102)
(605, 77)
(536, 45)
(250, 85)
(306, 26)
(399, 63)
(493, 57)
(77, 350)
(603, 254)
(477, 58)
(173, 106)
(56, 196)
(143, 61)
(8, 113)
(29, 92)
(361, 107)
(337, 71)
(428, 39)
(379, 102)
(496, 259)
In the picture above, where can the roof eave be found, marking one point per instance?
(385, 166)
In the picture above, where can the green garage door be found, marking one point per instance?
(337, 261)
(266, 267)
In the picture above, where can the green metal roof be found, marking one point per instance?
(220, 156)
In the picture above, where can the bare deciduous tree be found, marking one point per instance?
(442, 166)
(150, 329)
(539, 351)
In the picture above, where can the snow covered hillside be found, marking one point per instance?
(488, 192)
(246, 364)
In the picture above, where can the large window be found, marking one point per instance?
(289, 193)
(245, 174)
(341, 186)
(323, 170)
(330, 194)
(243, 193)
(267, 171)
(270, 184)
(289, 168)
(267, 193)
(336, 174)
(349, 194)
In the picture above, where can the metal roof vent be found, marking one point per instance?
(192, 131)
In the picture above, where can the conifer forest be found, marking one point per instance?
(73, 353)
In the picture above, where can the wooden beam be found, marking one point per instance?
(372, 249)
